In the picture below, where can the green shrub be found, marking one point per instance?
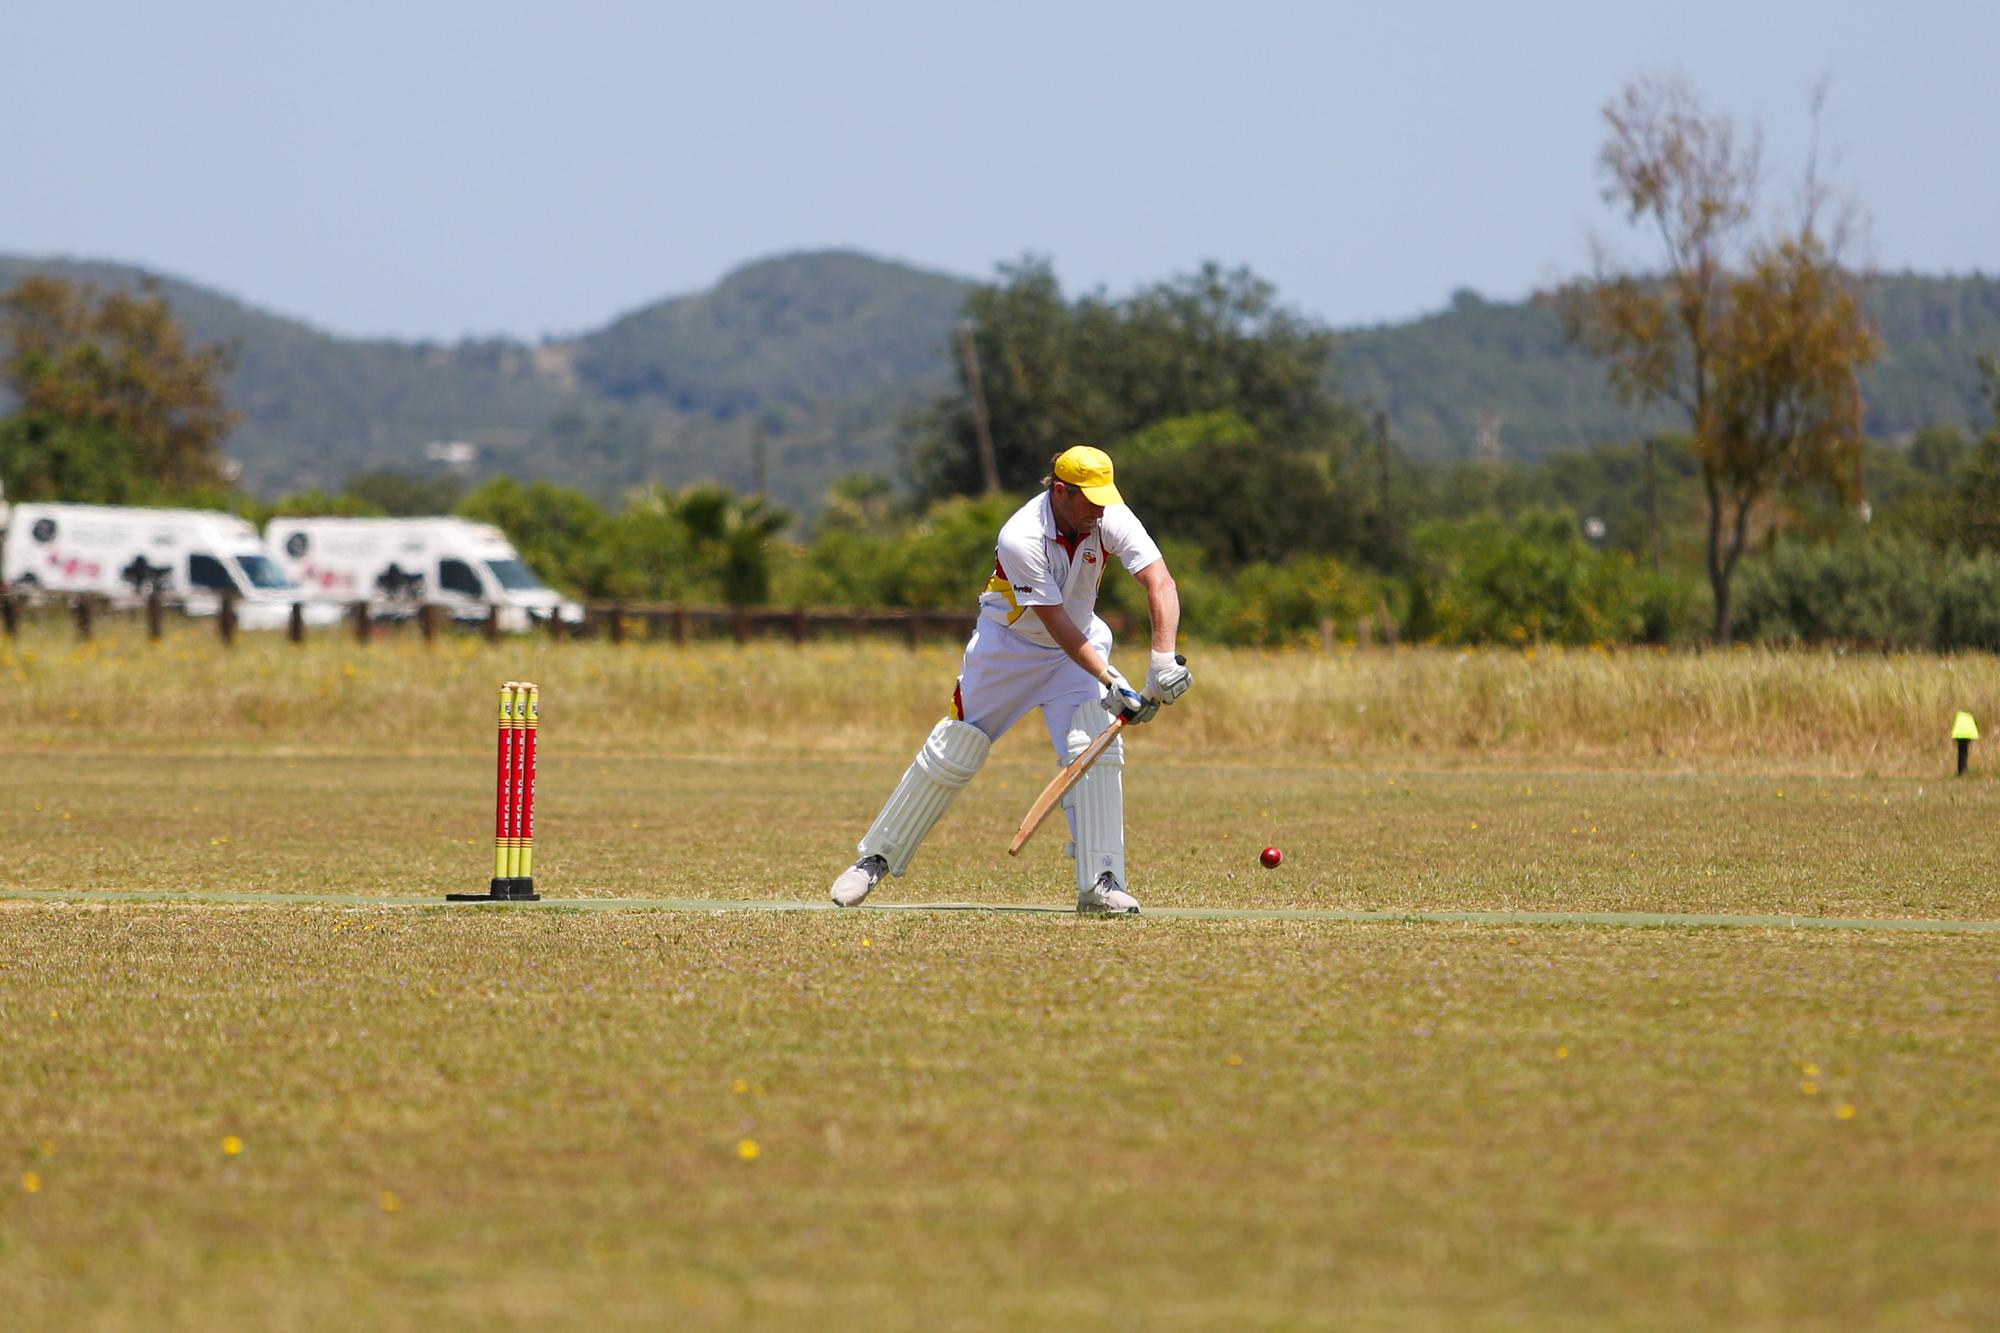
(1969, 604)
(942, 560)
(1535, 580)
(1272, 605)
(947, 558)
(1883, 593)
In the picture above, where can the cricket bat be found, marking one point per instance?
(1060, 784)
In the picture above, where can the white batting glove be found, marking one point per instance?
(1168, 678)
(1121, 698)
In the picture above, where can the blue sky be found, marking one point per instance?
(443, 169)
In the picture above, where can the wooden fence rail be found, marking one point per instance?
(614, 622)
(618, 622)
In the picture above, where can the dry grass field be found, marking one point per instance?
(298, 1116)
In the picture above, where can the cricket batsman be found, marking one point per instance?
(1040, 644)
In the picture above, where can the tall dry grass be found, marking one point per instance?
(1741, 710)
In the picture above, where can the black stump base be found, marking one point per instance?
(519, 890)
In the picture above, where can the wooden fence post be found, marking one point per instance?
(225, 620)
(492, 622)
(153, 626)
(361, 623)
(295, 629)
(1385, 623)
(82, 612)
(427, 621)
(9, 617)
(617, 625)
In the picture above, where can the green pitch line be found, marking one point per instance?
(1620, 919)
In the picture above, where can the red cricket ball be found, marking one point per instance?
(1270, 856)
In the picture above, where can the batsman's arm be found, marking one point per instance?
(1120, 696)
(1167, 674)
(1163, 603)
(1070, 639)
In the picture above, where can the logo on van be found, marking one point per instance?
(44, 530)
(295, 545)
(144, 577)
(399, 586)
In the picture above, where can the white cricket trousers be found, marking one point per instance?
(1005, 674)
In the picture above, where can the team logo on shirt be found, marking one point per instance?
(1090, 557)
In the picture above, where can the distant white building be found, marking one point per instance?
(452, 453)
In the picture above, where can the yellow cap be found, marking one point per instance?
(1963, 728)
(1089, 470)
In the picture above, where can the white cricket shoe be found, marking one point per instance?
(854, 883)
(1105, 898)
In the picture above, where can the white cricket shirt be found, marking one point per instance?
(1034, 566)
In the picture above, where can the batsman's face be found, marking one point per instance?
(1076, 514)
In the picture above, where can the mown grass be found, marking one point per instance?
(887, 1121)
(480, 1117)
(749, 827)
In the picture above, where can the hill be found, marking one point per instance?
(317, 408)
(823, 355)
(1436, 377)
(784, 334)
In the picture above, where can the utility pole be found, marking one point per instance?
(1489, 438)
(1653, 501)
(1489, 454)
(1385, 514)
(989, 472)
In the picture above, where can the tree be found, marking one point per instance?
(1757, 340)
(558, 530)
(405, 495)
(1210, 346)
(115, 406)
(1971, 512)
(731, 537)
(46, 458)
(1240, 500)
(649, 555)
(317, 503)
(860, 502)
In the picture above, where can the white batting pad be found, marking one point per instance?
(942, 767)
(1096, 805)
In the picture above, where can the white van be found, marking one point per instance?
(194, 557)
(399, 564)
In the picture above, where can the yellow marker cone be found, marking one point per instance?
(1964, 731)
